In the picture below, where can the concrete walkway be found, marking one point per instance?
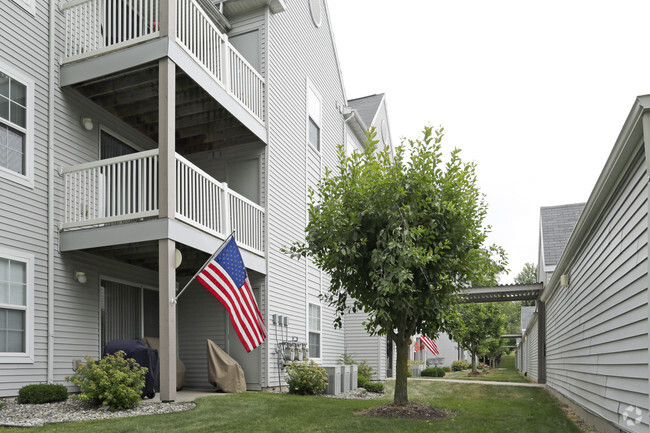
(482, 382)
(187, 395)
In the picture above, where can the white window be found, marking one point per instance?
(16, 307)
(16, 127)
(313, 117)
(314, 331)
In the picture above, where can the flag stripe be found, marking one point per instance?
(216, 290)
(226, 278)
(229, 289)
(430, 344)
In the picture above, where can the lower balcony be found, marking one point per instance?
(121, 190)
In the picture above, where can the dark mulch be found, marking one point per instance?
(412, 410)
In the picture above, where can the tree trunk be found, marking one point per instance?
(401, 393)
(473, 359)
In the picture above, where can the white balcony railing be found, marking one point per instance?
(125, 188)
(94, 27)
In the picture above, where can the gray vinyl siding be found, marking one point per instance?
(202, 317)
(532, 366)
(597, 328)
(363, 347)
(23, 211)
(297, 52)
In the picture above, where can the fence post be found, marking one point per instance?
(226, 63)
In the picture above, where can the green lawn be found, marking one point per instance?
(505, 373)
(478, 408)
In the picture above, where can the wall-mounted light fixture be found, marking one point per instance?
(87, 123)
(80, 277)
(178, 258)
(564, 280)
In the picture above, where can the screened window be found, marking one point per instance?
(314, 331)
(13, 124)
(13, 306)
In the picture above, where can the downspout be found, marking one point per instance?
(50, 194)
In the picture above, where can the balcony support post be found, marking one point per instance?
(168, 18)
(167, 247)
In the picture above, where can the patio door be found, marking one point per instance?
(127, 312)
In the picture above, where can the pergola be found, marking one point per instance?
(516, 292)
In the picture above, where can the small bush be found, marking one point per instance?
(306, 378)
(446, 369)
(113, 381)
(433, 372)
(374, 387)
(460, 365)
(362, 381)
(364, 368)
(42, 393)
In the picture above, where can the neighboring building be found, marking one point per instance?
(448, 351)
(158, 135)
(555, 226)
(595, 301)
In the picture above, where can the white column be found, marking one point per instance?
(167, 247)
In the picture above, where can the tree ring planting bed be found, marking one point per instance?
(412, 410)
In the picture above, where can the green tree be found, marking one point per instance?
(399, 238)
(528, 274)
(475, 324)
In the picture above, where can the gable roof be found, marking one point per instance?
(526, 315)
(556, 225)
(367, 106)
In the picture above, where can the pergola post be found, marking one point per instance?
(541, 342)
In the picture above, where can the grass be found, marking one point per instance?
(478, 408)
(505, 373)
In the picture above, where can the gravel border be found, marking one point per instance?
(357, 394)
(36, 415)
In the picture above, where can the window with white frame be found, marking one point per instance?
(313, 118)
(314, 331)
(16, 126)
(16, 306)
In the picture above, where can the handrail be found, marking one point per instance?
(107, 161)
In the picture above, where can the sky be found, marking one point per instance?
(535, 93)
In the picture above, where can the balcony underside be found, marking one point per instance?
(136, 243)
(125, 83)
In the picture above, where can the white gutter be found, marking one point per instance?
(626, 145)
(50, 194)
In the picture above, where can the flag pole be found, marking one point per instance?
(175, 300)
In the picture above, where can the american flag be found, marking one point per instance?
(431, 344)
(225, 277)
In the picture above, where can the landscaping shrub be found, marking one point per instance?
(362, 381)
(113, 381)
(446, 369)
(374, 387)
(460, 365)
(364, 368)
(42, 393)
(306, 378)
(433, 372)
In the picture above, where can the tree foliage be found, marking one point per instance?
(528, 274)
(399, 238)
(475, 324)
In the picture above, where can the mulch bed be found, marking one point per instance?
(412, 410)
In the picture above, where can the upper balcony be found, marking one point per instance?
(115, 201)
(105, 38)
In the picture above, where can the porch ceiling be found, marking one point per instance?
(201, 122)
